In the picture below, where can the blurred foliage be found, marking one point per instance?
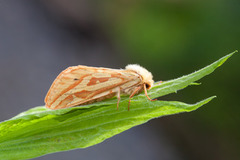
(169, 38)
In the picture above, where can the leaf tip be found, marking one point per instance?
(233, 53)
(223, 59)
(209, 99)
(212, 97)
(230, 54)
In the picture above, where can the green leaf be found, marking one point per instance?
(41, 131)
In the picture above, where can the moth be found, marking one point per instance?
(80, 85)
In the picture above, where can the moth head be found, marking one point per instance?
(147, 77)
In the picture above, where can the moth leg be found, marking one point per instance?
(145, 91)
(119, 97)
(133, 93)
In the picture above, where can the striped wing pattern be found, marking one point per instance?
(81, 84)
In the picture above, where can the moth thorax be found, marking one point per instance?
(147, 77)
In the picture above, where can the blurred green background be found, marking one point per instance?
(170, 38)
(175, 37)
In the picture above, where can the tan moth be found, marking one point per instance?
(79, 85)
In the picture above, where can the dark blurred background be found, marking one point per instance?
(171, 38)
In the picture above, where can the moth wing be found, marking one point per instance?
(81, 84)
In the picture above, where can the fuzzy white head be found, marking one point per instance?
(146, 75)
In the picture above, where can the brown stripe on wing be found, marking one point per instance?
(49, 93)
(69, 87)
(95, 80)
(92, 94)
(64, 102)
(86, 96)
(63, 78)
(82, 94)
(110, 95)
